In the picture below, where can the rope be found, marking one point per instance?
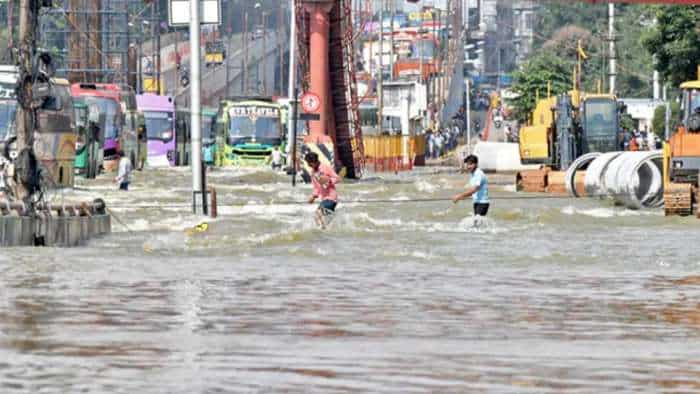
(352, 202)
(119, 220)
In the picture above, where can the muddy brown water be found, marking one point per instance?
(557, 296)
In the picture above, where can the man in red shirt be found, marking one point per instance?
(323, 179)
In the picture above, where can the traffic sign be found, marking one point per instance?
(310, 102)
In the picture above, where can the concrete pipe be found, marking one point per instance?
(640, 180)
(578, 164)
(594, 181)
(610, 185)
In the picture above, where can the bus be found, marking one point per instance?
(159, 114)
(133, 141)
(54, 141)
(105, 121)
(183, 135)
(247, 131)
(8, 104)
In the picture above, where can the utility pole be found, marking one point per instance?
(263, 61)
(156, 23)
(278, 31)
(245, 53)
(292, 79)
(26, 170)
(198, 187)
(380, 78)
(391, 40)
(611, 37)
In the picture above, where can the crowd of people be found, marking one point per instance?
(635, 140)
(441, 142)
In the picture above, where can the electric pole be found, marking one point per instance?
(611, 37)
(25, 163)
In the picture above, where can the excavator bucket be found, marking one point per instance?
(678, 199)
(533, 181)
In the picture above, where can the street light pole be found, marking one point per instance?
(292, 78)
(198, 187)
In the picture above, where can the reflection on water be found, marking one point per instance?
(549, 296)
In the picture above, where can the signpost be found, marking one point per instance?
(310, 102)
(179, 12)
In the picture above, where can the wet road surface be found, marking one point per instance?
(554, 296)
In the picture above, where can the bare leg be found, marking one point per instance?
(320, 222)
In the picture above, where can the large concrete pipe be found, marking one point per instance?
(632, 179)
(578, 164)
(593, 181)
(609, 181)
(641, 180)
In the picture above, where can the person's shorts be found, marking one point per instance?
(328, 205)
(124, 186)
(481, 208)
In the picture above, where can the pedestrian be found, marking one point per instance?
(633, 147)
(276, 159)
(477, 189)
(323, 179)
(651, 140)
(124, 173)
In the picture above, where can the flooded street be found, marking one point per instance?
(555, 295)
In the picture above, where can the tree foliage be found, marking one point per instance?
(659, 120)
(534, 76)
(675, 42)
(590, 23)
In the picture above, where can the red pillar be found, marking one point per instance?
(320, 76)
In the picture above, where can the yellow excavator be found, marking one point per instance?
(562, 129)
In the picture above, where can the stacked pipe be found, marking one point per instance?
(632, 179)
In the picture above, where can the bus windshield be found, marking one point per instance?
(159, 125)
(601, 118)
(260, 123)
(109, 111)
(8, 109)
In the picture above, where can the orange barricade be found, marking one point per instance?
(394, 153)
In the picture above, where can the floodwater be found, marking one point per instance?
(557, 296)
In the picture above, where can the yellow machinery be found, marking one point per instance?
(215, 53)
(682, 156)
(563, 128)
(150, 85)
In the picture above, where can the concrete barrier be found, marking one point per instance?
(65, 231)
(500, 157)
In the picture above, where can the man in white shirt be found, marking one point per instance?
(276, 158)
(124, 174)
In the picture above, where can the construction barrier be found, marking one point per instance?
(394, 153)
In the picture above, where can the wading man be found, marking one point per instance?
(478, 188)
(124, 172)
(323, 179)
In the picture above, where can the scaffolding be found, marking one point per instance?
(93, 40)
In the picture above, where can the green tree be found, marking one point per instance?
(675, 42)
(590, 22)
(659, 120)
(541, 69)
